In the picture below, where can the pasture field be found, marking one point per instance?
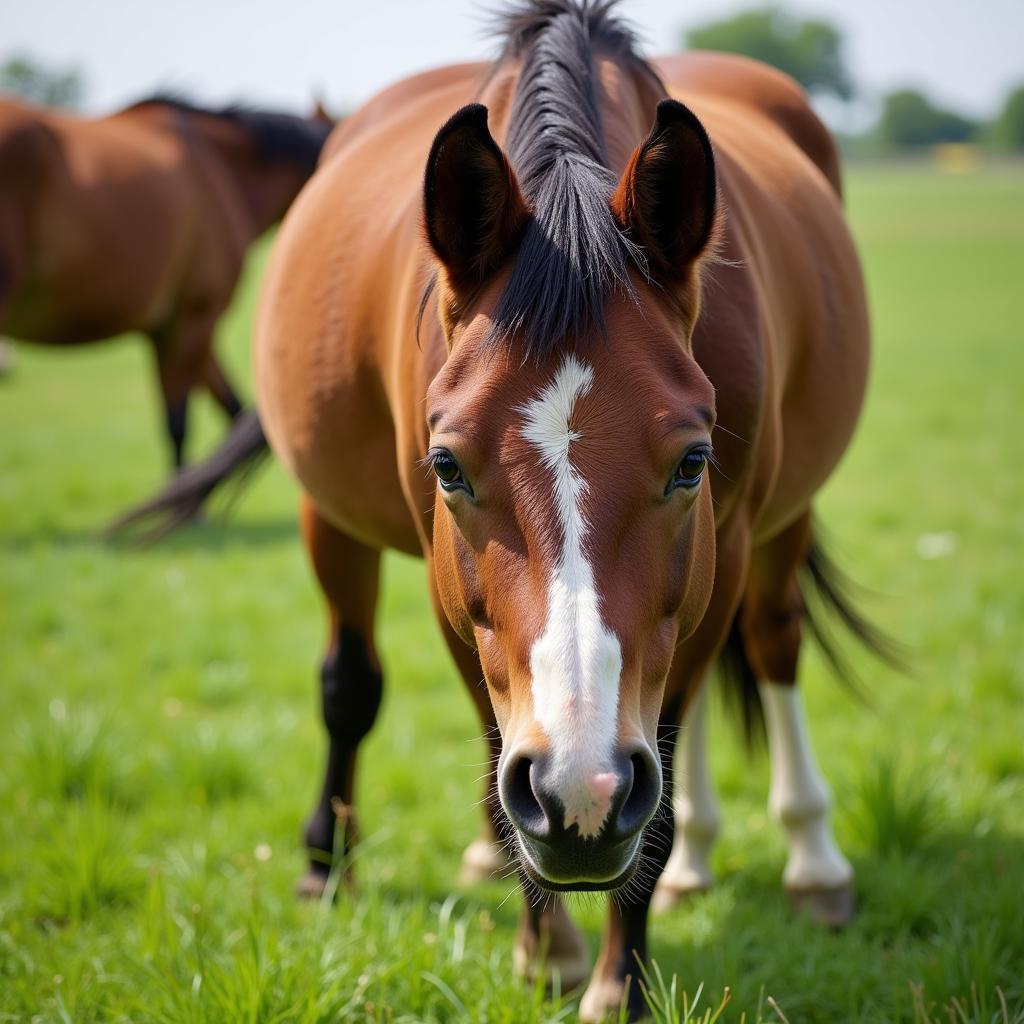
(160, 742)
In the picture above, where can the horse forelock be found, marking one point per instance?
(573, 254)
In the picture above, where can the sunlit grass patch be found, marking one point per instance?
(975, 1008)
(891, 811)
(79, 755)
(1001, 759)
(208, 763)
(83, 864)
(150, 837)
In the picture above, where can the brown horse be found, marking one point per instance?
(599, 401)
(140, 222)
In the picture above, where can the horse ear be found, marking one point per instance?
(666, 199)
(473, 209)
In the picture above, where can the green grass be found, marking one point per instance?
(161, 744)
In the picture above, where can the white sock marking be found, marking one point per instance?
(576, 662)
(799, 797)
(696, 806)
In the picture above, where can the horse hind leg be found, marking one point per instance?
(697, 817)
(817, 877)
(220, 388)
(351, 687)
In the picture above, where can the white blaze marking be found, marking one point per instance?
(576, 662)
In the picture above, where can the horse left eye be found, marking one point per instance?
(690, 470)
(448, 471)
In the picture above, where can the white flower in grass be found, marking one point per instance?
(936, 545)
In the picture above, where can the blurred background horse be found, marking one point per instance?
(140, 221)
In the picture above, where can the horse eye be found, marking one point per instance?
(690, 469)
(447, 470)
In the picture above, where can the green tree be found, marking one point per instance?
(910, 120)
(27, 78)
(809, 50)
(1008, 127)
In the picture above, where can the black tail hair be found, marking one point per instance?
(827, 591)
(242, 451)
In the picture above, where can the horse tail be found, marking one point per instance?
(828, 594)
(181, 500)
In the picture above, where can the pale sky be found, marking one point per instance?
(965, 53)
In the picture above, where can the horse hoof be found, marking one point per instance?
(671, 892)
(570, 968)
(311, 886)
(605, 998)
(831, 906)
(559, 952)
(481, 860)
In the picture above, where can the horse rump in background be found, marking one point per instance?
(593, 365)
(140, 221)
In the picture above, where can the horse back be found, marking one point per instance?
(783, 332)
(106, 223)
(782, 319)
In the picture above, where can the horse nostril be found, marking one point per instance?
(519, 798)
(643, 796)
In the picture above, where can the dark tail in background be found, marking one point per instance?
(827, 593)
(242, 451)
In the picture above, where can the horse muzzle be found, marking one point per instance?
(580, 831)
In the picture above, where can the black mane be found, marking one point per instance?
(274, 135)
(573, 253)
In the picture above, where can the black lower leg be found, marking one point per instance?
(231, 404)
(177, 423)
(351, 689)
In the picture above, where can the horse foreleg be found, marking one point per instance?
(697, 817)
(351, 687)
(175, 388)
(486, 856)
(547, 940)
(181, 349)
(617, 974)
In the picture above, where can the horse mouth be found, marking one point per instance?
(579, 870)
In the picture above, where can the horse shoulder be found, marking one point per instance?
(321, 363)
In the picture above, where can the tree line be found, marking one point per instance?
(811, 50)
